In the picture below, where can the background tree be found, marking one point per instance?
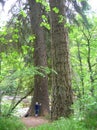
(83, 54)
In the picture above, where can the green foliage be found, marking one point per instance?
(61, 18)
(31, 38)
(90, 113)
(11, 123)
(16, 75)
(45, 4)
(83, 56)
(3, 33)
(5, 108)
(85, 111)
(22, 12)
(45, 22)
(62, 124)
(56, 10)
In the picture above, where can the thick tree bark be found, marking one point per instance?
(62, 92)
(41, 83)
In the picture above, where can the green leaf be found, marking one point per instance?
(61, 18)
(31, 38)
(56, 10)
(44, 18)
(46, 25)
(23, 13)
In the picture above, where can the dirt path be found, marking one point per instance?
(34, 121)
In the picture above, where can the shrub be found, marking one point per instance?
(86, 111)
(90, 115)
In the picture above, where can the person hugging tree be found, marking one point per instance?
(37, 109)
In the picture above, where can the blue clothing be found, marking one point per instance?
(37, 108)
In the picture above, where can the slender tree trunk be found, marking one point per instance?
(40, 83)
(81, 68)
(81, 91)
(90, 68)
(88, 39)
(62, 92)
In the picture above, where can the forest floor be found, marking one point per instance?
(34, 121)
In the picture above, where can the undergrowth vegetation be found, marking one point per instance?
(11, 123)
(61, 124)
(84, 117)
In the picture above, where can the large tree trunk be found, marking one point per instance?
(41, 83)
(62, 92)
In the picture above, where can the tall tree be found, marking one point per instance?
(62, 91)
(40, 83)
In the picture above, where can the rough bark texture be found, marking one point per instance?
(62, 92)
(41, 83)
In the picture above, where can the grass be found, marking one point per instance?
(62, 124)
(11, 123)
